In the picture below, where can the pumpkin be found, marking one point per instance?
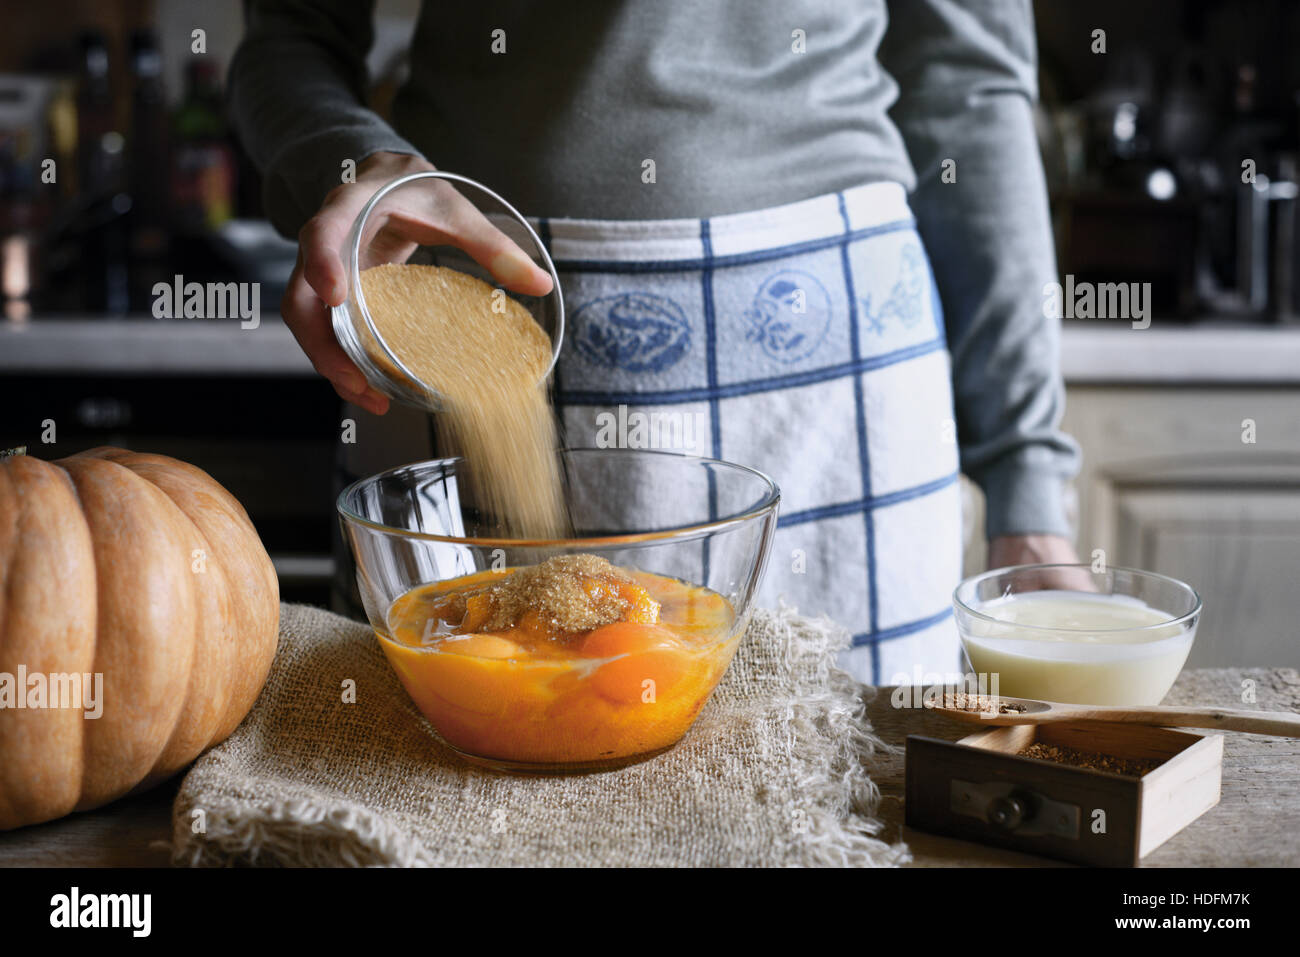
(143, 569)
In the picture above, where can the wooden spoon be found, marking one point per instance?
(1002, 709)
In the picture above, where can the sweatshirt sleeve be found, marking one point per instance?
(297, 90)
(966, 72)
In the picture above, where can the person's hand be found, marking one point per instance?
(319, 280)
(1010, 550)
(1007, 550)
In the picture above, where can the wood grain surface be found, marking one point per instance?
(1257, 822)
(132, 832)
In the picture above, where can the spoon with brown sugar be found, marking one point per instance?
(1001, 709)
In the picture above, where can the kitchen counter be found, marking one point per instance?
(1258, 772)
(1218, 353)
(1091, 352)
(98, 346)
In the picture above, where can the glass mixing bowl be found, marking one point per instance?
(398, 225)
(694, 530)
(1070, 634)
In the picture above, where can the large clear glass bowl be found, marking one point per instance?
(704, 523)
(1069, 633)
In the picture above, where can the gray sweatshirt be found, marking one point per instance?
(735, 119)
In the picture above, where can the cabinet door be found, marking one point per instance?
(1169, 485)
(1240, 548)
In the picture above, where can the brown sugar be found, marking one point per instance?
(1132, 767)
(566, 595)
(482, 357)
(979, 703)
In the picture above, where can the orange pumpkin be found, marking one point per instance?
(145, 570)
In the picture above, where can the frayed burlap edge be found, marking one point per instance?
(830, 741)
(833, 744)
(297, 834)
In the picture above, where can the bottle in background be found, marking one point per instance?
(203, 162)
(147, 173)
(99, 223)
(99, 143)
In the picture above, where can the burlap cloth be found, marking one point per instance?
(772, 773)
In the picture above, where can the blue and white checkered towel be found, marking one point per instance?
(807, 340)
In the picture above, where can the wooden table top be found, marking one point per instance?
(1256, 824)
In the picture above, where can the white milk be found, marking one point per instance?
(1100, 657)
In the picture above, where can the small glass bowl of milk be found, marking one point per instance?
(1069, 633)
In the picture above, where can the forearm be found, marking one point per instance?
(967, 108)
(991, 242)
(297, 95)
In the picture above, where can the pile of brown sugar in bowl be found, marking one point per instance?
(484, 357)
(570, 594)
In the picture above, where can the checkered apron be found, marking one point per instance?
(808, 340)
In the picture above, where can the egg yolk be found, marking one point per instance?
(536, 694)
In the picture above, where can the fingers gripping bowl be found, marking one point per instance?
(515, 672)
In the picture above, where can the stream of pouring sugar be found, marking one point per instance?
(484, 357)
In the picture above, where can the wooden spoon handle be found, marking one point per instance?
(1282, 723)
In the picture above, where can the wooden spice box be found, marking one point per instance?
(981, 789)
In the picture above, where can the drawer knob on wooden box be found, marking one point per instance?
(1007, 807)
(1009, 812)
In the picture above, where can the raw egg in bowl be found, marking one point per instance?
(585, 653)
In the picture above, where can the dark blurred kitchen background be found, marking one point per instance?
(1143, 144)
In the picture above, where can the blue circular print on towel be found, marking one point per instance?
(633, 331)
(790, 315)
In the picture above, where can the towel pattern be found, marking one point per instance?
(807, 341)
